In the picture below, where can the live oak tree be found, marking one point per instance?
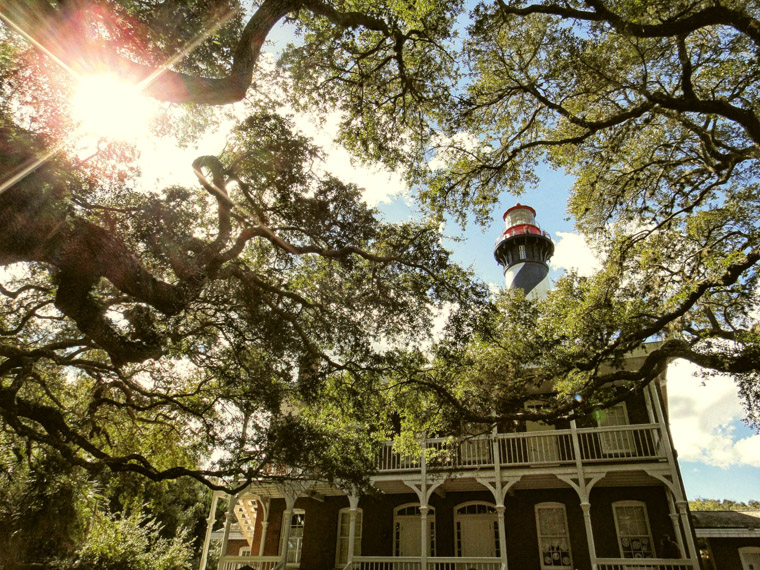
(653, 108)
(200, 312)
(146, 330)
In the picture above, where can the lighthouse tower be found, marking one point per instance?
(524, 250)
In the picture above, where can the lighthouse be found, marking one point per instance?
(524, 250)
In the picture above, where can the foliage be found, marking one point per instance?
(147, 332)
(55, 516)
(203, 312)
(130, 543)
(38, 505)
(701, 504)
(652, 107)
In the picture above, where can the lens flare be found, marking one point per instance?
(105, 106)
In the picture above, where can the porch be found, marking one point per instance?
(451, 563)
(620, 444)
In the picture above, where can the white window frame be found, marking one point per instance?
(357, 536)
(296, 552)
(616, 443)
(244, 551)
(564, 556)
(746, 563)
(541, 448)
(641, 537)
(418, 516)
(459, 516)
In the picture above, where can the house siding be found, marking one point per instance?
(320, 530)
(603, 520)
(725, 551)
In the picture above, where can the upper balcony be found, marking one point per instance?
(600, 445)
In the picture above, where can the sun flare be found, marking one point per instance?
(105, 106)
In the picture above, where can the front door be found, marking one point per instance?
(477, 530)
(407, 537)
(478, 536)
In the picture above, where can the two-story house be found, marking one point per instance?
(599, 494)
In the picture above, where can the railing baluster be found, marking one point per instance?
(606, 444)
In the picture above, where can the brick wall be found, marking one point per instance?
(321, 524)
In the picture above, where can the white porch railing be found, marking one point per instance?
(596, 445)
(620, 443)
(414, 563)
(255, 562)
(645, 564)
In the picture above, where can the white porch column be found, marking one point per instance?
(502, 534)
(499, 489)
(675, 522)
(209, 527)
(353, 509)
(424, 497)
(227, 524)
(424, 489)
(264, 524)
(424, 538)
(500, 496)
(683, 509)
(586, 508)
(584, 494)
(287, 517)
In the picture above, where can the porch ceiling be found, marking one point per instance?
(460, 483)
(636, 478)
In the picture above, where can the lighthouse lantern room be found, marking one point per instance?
(524, 250)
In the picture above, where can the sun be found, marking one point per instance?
(106, 106)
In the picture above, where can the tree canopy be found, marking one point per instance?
(205, 312)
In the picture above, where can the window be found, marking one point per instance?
(476, 528)
(521, 249)
(632, 525)
(616, 442)
(344, 529)
(750, 556)
(295, 541)
(406, 530)
(244, 551)
(553, 536)
(541, 448)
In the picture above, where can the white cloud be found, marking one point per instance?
(165, 163)
(704, 418)
(449, 148)
(572, 252)
(380, 184)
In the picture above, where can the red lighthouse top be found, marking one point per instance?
(519, 206)
(521, 219)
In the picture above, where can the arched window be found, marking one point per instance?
(632, 526)
(406, 530)
(750, 557)
(344, 529)
(476, 527)
(553, 536)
